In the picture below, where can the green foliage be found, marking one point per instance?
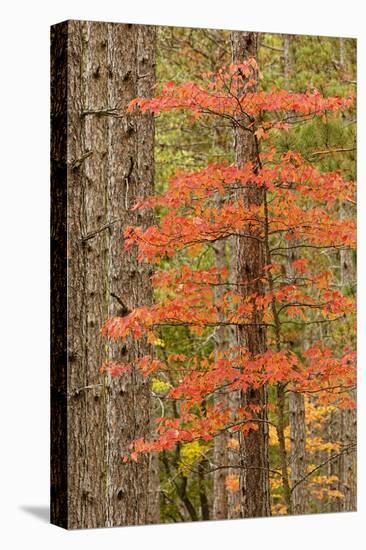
(328, 64)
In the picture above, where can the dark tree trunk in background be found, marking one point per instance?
(109, 163)
(250, 262)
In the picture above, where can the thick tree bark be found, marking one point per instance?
(250, 262)
(87, 291)
(131, 163)
(109, 163)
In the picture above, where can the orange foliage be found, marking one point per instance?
(303, 206)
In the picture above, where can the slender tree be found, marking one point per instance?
(343, 423)
(348, 467)
(296, 400)
(221, 451)
(250, 262)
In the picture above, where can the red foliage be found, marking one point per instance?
(302, 207)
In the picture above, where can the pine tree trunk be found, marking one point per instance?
(109, 163)
(131, 172)
(87, 292)
(250, 262)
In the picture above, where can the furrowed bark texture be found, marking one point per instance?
(250, 262)
(109, 154)
(131, 164)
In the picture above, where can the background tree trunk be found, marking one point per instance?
(296, 400)
(220, 455)
(250, 261)
(287, 38)
(343, 423)
(298, 451)
(110, 163)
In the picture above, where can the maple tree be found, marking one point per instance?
(299, 212)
